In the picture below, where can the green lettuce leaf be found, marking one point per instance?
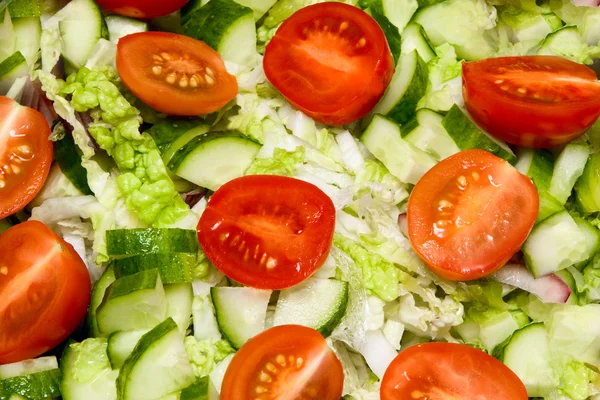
(205, 355)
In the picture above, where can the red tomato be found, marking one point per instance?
(45, 290)
(174, 74)
(470, 213)
(268, 232)
(449, 371)
(533, 101)
(330, 60)
(288, 361)
(25, 155)
(144, 9)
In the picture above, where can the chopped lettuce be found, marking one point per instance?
(282, 162)
(205, 355)
(445, 83)
(575, 380)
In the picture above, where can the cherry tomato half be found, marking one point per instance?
(449, 371)
(288, 361)
(142, 8)
(45, 290)
(174, 74)
(532, 101)
(331, 60)
(25, 155)
(470, 213)
(268, 232)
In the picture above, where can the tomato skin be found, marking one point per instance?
(23, 170)
(330, 60)
(175, 74)
(267, 356)
(45, 288)
(427, 370)
(470, 213)
(267, 232)
(143, 9)
(532, 101)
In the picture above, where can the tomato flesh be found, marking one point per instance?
(441, 371)
(470, 213)
(25, 155)
(175, 74)
(288, 361)
(45, 290)
(330, 60)
(532, 101)
(143, 9)
(268, 232)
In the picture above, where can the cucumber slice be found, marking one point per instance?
(415, 38)
(227, 27)
(172, 135)
(25, 8)
(134, 302)
(548, 206)
(86, 374)
(392, 34)
(427, 133)
(383, 139)
(317, 303)
(218, 374)
(103, 54)
(28, 34)
(134, 242)
(41, 385)
(592, 237)
(80, 30)
(241, 312)
(563, 43)
(467, 135)
(157, 366)
(588, 185)
(497, 330)
(11, 69)
(107, 278)
(68, 157)
(179, 304)
(569, 166)
(202, 389)
(527, 353)
(28, 367)
(397, 12)
(554, 244)
(408, 86)
(574, 332)
(205, 321)
(536, 164)
(119, 26)
(7, 35)
(206, 160)
(173, 267)
(120, 346)
(184, 139)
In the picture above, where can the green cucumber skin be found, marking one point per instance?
(392, 34)
(128, 284)
(541, 168)
(68, 157)
(107, 278)
(210, 22)
(173, 268)
(406, 109)
(167, 131)
(133, 242)
(198, 390)
(12, 62)
(43, 385)
(334, 321)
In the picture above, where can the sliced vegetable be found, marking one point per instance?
(133, 242)
(143, 9)
(470, 213)
(11, 69)
(26, 157)
(268, 232)
(549, 288)
(173, 267)
(449, 370)
(532, 101)
(331, 60)
(288, 360)
(174, 74)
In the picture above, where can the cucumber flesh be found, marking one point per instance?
(173, 267)
(241, 312)
(28, 367)
(415, 38)
(133, 242)
(427, 133)
(120, 346)
(157, 366)
(107, 278)
(11, 69)
(134, 302)
(588, 185)
(119, 26)
(7, 35)
(202, 389)
(317, 303)
(179, 304)
(205, 321)
(569, 166)
(28, 34)
(68, 157)
(496, 331)
(536, 164)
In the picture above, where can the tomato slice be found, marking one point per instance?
(330, 60)
(174, 74)
(288, 361)
(25, 155)
(439, 371)
(144, 9)
(45, 290)
(470, 213)
(532, 101)
(268, 232)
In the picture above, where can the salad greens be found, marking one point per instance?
(392, 294)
